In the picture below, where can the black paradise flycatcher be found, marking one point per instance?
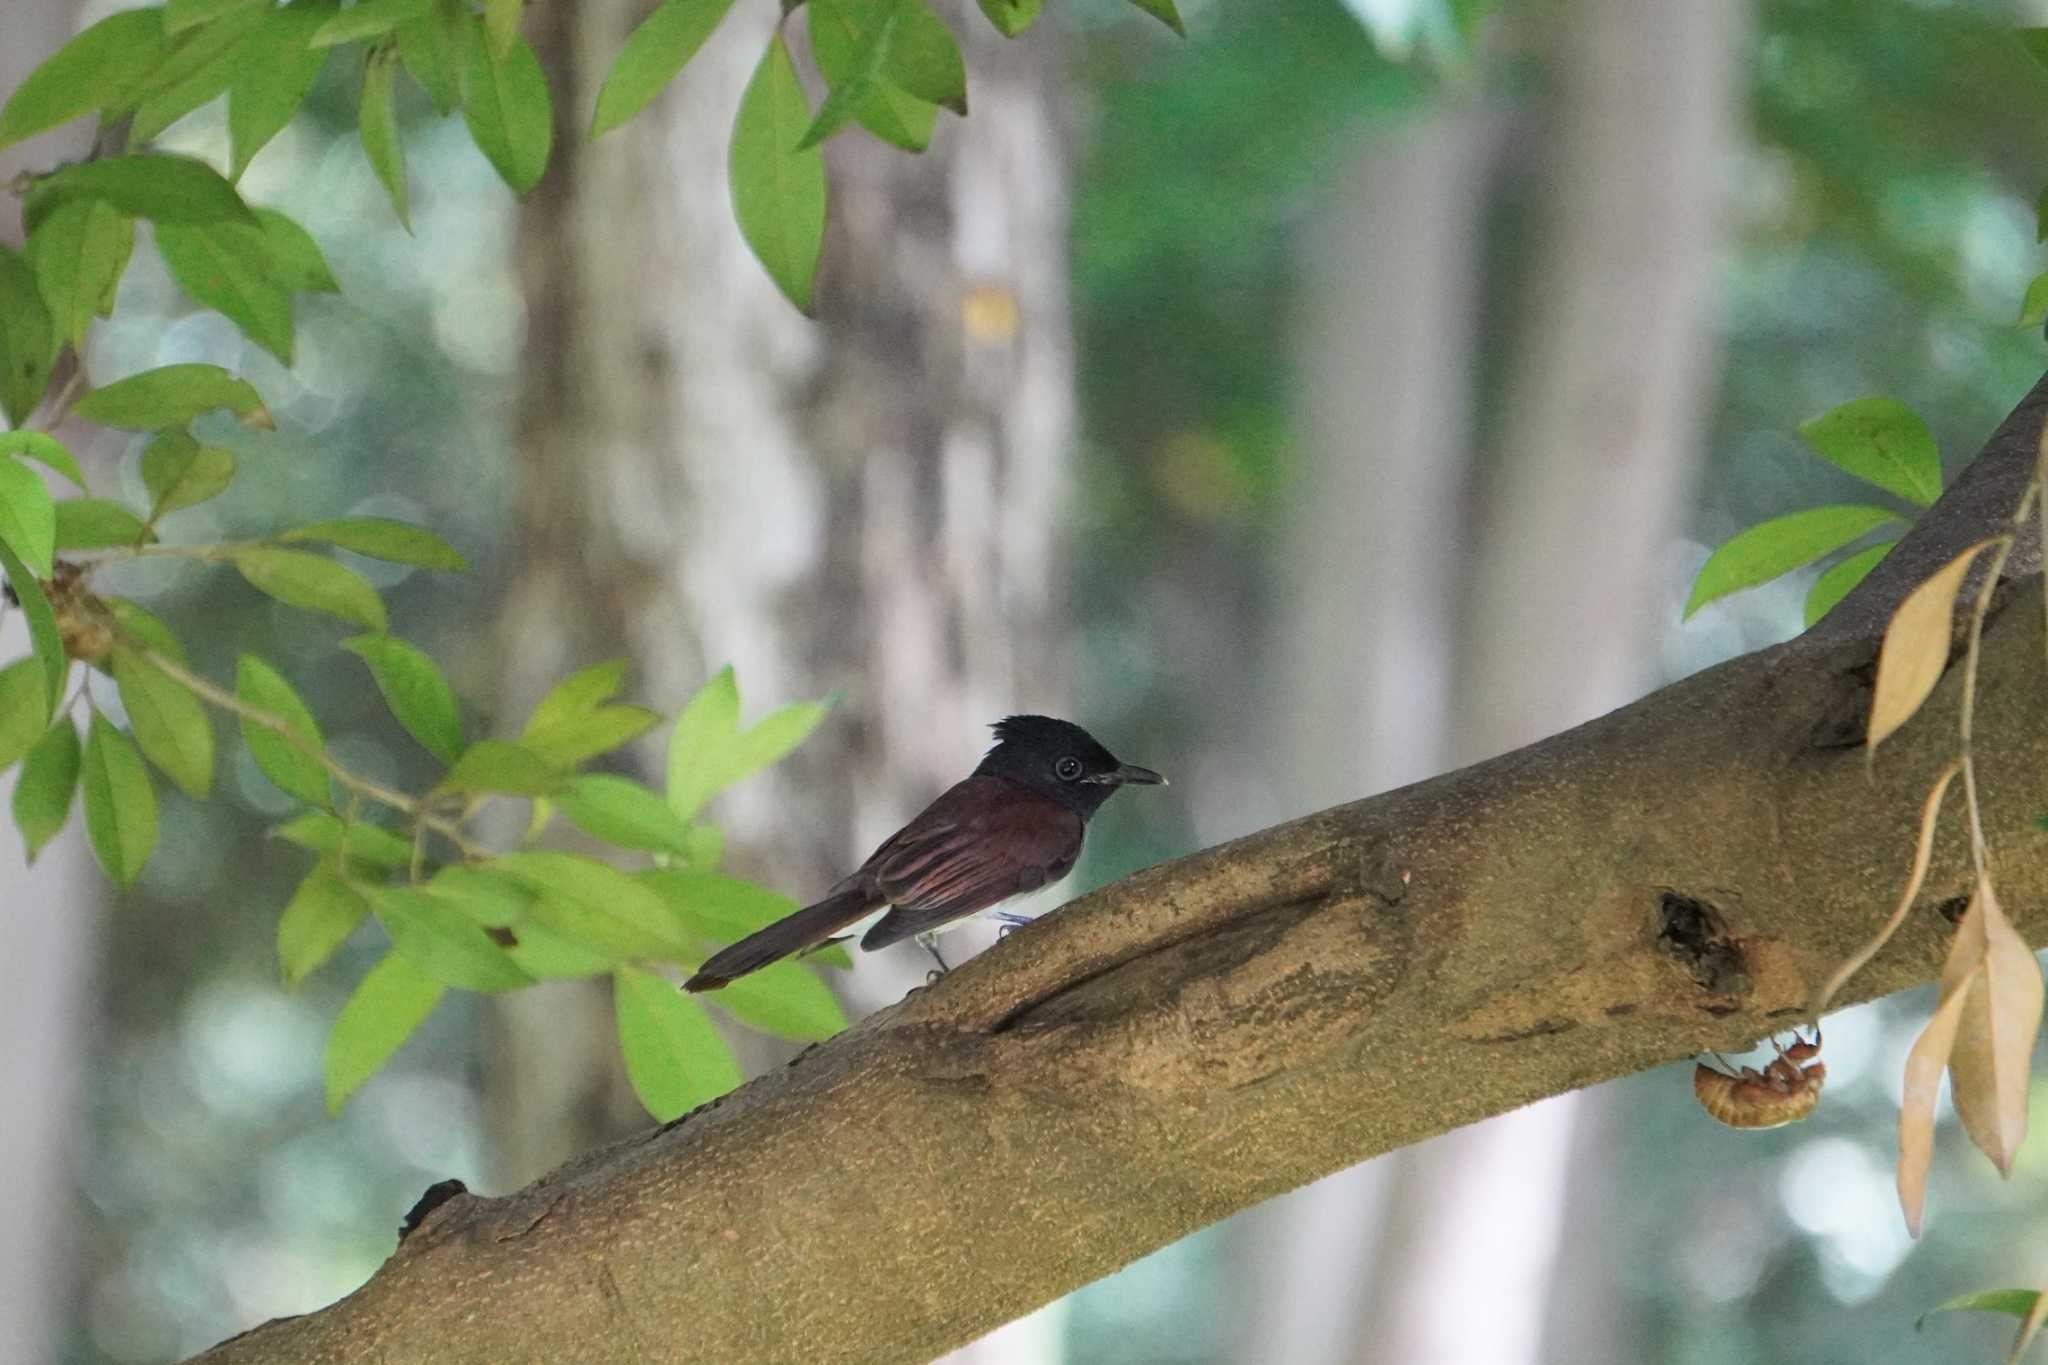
(1013, 825)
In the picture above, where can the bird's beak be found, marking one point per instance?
(1131, 775)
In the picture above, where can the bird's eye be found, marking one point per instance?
(1067, 769)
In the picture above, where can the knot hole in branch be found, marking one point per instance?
(1693, 932)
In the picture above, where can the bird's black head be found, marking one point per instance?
(1061, 760)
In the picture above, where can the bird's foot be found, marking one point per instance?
(1010, 921)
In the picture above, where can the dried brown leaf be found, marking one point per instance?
(1923, 852)
(1916, 645)
(1994, 1045)
(1924, 1065)
(2030, 1325)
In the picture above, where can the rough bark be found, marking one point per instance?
(1212, 1031)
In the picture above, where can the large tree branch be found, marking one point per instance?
(1215, 1030)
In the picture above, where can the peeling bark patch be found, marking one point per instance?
(1692, 931)
(437, 1194)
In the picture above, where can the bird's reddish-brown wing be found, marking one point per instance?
(983, 841)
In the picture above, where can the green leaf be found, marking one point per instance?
(572, 740)
(293, 257)
(444, 943)
(180, 15)
(596, 905)
(576, 695)
(295, 771)
(1832, 586)
(778, 190)
(197, 71)
(393, 999)
(501, 26)
(278, 69)
(494, 901)
(621, 811)
(924, 60)
(96, 524)
(248, 272)
(313, 582)
(24, 710)
(28, 339)
(2035, 43)
(172, 396)
(863, 78)
(708, 752)
(714, 906)
(79, 253)
(785, 999)
(415, 691)
(703, 848)
(1780, 545)
(146, 627)
(368, 844)
(321, 915)
(1011, 17)
(377, 121)
(772, 738)
(95, 70)
(655, 53)
(674, 1057)
(434, 48)
(497, 765)
(168, 722)
(120, 805)
(367, 19)
(42, 627)
(889, 113)
(219, 271)
(697, 748)
(49, 777)
(379, 538)
(28, 518)
(158, 186)
(572, 724)
(2034, 308)
(551, 955)
(1881, 441)
(45, 450)
(509, 112)
(1164, 12)
(2014, 1303)
(179, 472)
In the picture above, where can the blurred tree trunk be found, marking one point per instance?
(50, 923)
(864, 504)
(1385, 346)
(1600, 432)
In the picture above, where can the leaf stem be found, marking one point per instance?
(410, 807)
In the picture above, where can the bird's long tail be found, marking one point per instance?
(807, 928)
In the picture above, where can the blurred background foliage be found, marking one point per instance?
(1881, 230)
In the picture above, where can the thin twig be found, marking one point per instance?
(1980, 853)
(410, 807)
